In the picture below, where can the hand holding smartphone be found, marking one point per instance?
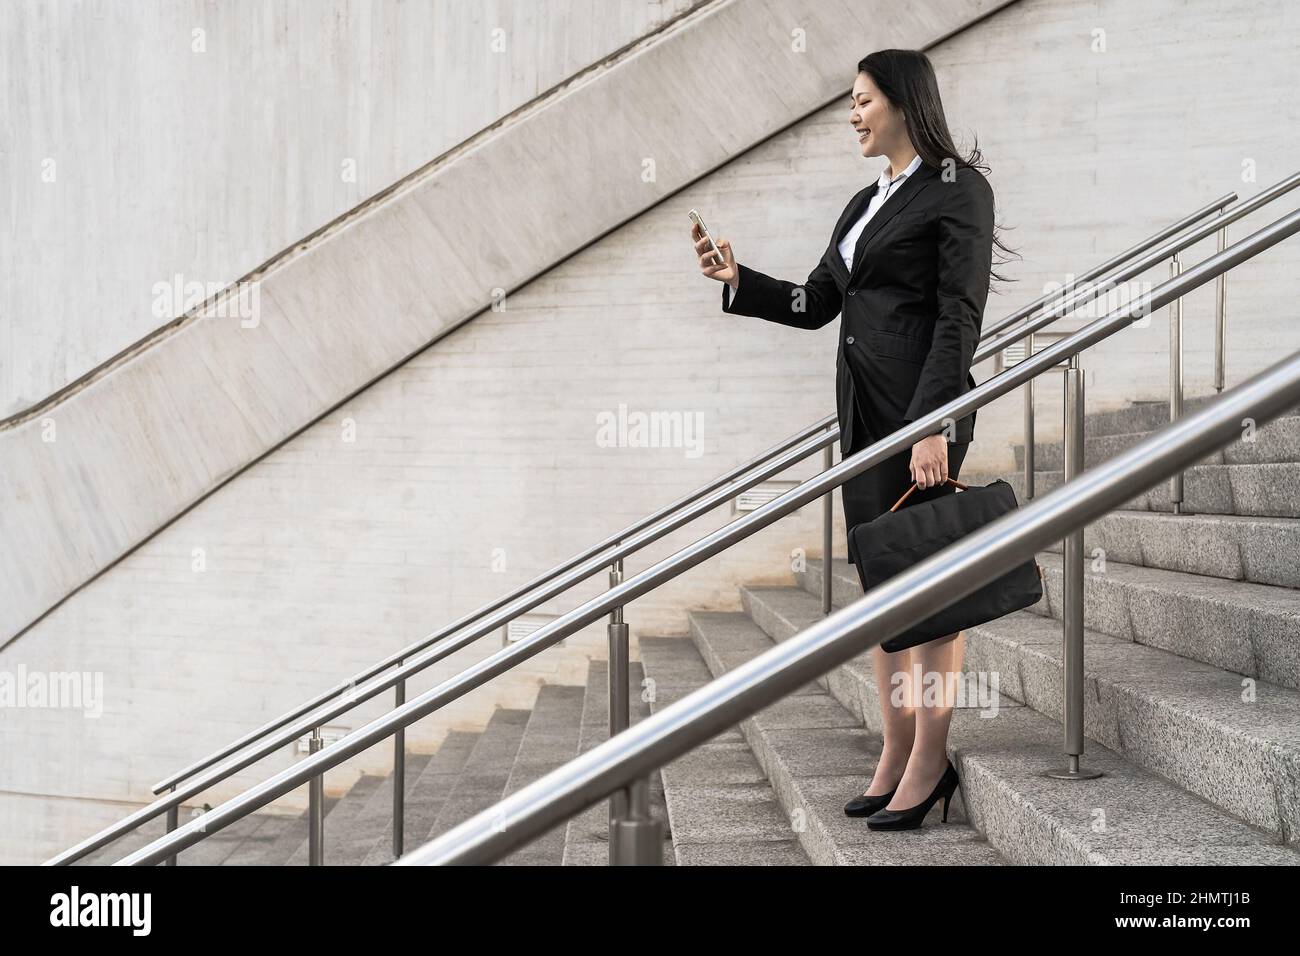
(715, 259)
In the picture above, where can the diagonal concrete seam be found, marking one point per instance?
(204, 402)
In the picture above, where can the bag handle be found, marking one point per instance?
(907, 494)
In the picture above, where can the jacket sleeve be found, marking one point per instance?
(809, 306)
(965, 257)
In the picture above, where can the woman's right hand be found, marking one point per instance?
(728, 273)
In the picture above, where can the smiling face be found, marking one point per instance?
(878, 124)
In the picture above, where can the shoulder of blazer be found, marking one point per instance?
(970, 178)
(969, 186)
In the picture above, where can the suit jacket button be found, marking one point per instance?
(853, 292)
(849, 340)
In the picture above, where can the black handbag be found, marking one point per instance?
(897, 540)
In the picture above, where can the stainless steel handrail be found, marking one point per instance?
(1070, 301)
(306, 718)
(431, 655)
(284, 730)
(1076, 293)
(1112, 263)
(536, 582)
(934, 583)
(728, 477)
(482, 671)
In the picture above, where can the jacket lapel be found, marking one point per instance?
(856, 207)
(910, 188)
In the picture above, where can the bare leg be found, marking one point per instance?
(940, 663)
(896, 715)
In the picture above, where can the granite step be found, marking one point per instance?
(228, 845)
(1148, 711)
(341, 819)
(484, 774)
(1139, 416)
(817, 755)
(1274, 441)
(1193, 724)
(348, 844)
(1270, 490)
(1249, 629)
(722, 809)
(254, 849)
(550, 740)
(1233, 547)
(287, 840)
(469, 772)
(426, 793)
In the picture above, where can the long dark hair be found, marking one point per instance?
(906, 78)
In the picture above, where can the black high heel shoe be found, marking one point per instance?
(910, 818)
(864, 806)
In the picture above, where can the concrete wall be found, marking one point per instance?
(334, 309)
(138, 149)
(332, 552)
(100, 470)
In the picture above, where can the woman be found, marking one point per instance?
(909, 263)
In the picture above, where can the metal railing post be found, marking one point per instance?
(173, 821)
(634, 836)
(315, 807)
(1072, 589)
(399, 773)
(638, 840)
(1176, 377)
(619, 703)
(828, 504)
(1221, 318)
(1029, 423)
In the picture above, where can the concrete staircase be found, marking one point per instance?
(721, 806)
(469, 772)
(1192, 711)
(1257, 476)
(816, 754)
(1193, 635)
(472, 771)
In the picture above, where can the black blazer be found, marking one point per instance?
(913, 304)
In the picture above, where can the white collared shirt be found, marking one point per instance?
(884, 188)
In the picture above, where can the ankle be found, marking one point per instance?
(893, 747)
(928, 762)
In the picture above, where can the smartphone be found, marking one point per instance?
(695, 218)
